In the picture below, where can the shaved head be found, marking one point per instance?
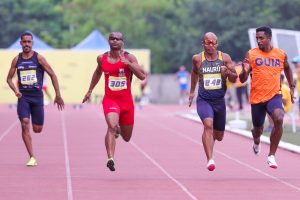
(210, 36)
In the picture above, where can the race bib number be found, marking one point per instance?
(212, 81)
(28, 77)
(117, 83)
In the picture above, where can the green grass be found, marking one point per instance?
(288, 135)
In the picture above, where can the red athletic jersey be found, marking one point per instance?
(117, 78)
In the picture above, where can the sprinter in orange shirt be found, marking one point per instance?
(266, 63)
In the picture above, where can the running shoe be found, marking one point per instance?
(256, 148)
(31, 162)
(271, 161)
(211, 165)
(111, 164)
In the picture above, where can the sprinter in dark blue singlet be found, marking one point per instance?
(211, 68)
(30, 67)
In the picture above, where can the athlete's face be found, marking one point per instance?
(263, 41)
(210, 44)
(115, 41)
(26, 43)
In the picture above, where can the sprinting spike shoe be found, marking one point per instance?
(31, 162)
(111, 164)
(211, 165)
(256, 148)
(271, 161)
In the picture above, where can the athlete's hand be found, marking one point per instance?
(18, 94)
(242, 73)
(191, 97)
(124, 60)
(224, 72)
(60, 102)
(87, 96)
(245, 61)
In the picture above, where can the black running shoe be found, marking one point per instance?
(111, 165)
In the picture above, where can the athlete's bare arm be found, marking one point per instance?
(58, 99)
(230, 69)
(246, 69)
(196, 60)
(133, 65)
(95, 79)
(10, 76)
(289, 77)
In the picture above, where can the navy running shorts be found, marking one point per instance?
(215, 109)
(31, 106)
(259, 111)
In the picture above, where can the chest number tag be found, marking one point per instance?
(212, 81)
(28, 77)
(117, 83)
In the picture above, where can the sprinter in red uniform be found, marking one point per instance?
(118, 67)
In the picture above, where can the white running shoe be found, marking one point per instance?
(211, 165)
(256, 148)
(271, 161)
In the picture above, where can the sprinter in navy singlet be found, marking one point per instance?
(211, 68)
(30, 67)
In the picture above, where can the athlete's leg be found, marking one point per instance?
(208, 138)
(275, 107)
(277, 130)
(256, 133)
(25, 124)
(206, 114)
(126, 119)
(37, 116)
(23, 110)
(112, 120)
(258, 112)
(126, 132)
(218, 135)
(219, 120)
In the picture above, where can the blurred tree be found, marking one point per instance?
(172, 29)
(43, 18)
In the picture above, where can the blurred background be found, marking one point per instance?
(163, 34)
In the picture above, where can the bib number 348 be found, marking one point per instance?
(212, 81)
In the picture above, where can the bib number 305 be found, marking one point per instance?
(117, 83)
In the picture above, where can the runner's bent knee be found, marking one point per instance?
(37, 128)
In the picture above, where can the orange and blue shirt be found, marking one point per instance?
(266, 70)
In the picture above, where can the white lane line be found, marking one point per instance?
(67, 161)
(8, 130)
(223, 154)
(184, 189)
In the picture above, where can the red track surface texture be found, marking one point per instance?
(164, 160)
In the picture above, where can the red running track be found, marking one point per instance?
(164, 160)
